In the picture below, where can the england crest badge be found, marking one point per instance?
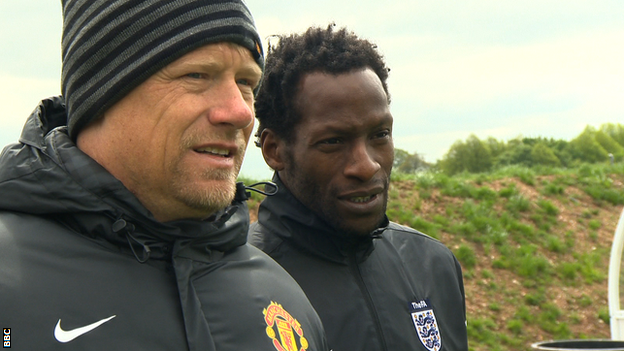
(426, 325)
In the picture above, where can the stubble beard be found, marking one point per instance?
(322, 203)
(202, 198)
(190, 187)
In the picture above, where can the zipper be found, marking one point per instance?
(355, 268)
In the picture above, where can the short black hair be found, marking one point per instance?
(295, 55)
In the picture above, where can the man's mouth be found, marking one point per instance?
(362, 199)
(214, 151)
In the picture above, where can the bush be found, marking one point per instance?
(515, 326)
(543, 155)
(518, 203)
(599, 192)
(535, 299)
(585, 148)
(519, 231)
(485, 193)
(568, 270)
(466, 229)
(603, 315)
(424, 226)
(458, 188)
(554, 244)
(471, 156)
(610, 145)
(548, 207)
(594, 224)
(526, 175)
(407, 163)
(508, 191)
(615, 131)
(532, 266)
(482, 330)
(548, 317)
(519, 154)
(553, 189)
(466, 256)
(589, 266)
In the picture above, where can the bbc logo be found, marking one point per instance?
(7, 338)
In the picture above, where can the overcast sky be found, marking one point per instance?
(486, 67)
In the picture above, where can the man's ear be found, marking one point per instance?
(273, 149)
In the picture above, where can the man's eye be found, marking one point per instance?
(194, 75)
(251, 83)
(243, 82)
(331, 141)
(383, 134)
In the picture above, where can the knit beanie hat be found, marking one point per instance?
(109, 47)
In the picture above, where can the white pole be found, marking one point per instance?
(616, 315)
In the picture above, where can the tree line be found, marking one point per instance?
(473, 155)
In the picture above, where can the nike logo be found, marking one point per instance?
(69, 335)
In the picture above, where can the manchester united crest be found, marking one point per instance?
(285, 332)
(426, 325)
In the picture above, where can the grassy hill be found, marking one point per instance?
(534, 246)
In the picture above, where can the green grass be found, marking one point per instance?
(548, 207)
(594, 224)
(551, 189)
(518, 204)
(519, 234)
(508, 191)
(466, 255)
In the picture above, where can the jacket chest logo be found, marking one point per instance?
(285, 332)
(426, 325)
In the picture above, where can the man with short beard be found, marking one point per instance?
(122, 226)
(326, 130)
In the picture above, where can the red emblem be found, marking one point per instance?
(283, 329)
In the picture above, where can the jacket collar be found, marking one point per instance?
(292, 221)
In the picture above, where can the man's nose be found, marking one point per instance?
(362, 163)
(230, 107)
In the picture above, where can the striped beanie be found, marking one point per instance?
(109, 47)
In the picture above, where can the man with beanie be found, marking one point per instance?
(326, 130)
(122, 226)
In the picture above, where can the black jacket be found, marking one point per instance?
(373, 294)
(72, 239)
